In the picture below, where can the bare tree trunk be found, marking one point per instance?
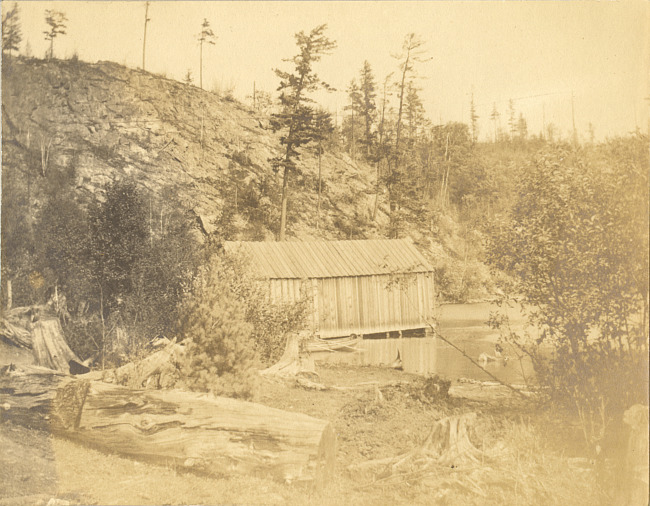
(201, 65)
(144, 39)
(9, 295)
(319, 187)
(285, 197)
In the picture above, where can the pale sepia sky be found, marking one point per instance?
(535, 52)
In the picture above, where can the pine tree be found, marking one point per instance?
(220, 356)
(322, 129)
(522, 128)
(296, 114)
(57, 23)
(512, 119)
(11, 33)
(349, 124)
(368, 108)
(473, 116)
(494, 117)
(206, 36)
(412, 53)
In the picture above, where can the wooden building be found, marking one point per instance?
(358, 287)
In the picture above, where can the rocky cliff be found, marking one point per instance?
(102, 122)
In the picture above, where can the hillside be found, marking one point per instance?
(108, 122)
(68, 122)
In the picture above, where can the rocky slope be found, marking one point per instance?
(191, 150)
(105, 122)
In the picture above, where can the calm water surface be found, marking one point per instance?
(466, 326)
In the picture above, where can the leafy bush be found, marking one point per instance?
(576, 246)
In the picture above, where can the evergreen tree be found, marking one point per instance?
(57, 23)
(512, 119)
(350, 123)
(11, 33)
(322, 129)
(368, 108)
(494, 116)
(296, 114)
(412, 53)
(220, 356)
(522, 128)
(206, 36)
(473, 117)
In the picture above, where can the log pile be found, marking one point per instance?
(201, 433)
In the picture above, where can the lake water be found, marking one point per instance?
(465, 325)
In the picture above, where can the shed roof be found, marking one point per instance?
(329, 259)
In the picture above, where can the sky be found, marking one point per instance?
(546, 56)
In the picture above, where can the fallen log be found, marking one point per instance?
(156, 371)
(210, 435)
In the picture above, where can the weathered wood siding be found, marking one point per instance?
(418, 355)
(362, 304)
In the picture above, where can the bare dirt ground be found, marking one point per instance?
(528, 458)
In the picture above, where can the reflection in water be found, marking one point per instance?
(466, 326)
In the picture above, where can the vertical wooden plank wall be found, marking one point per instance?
(418, 354)
(361, 304)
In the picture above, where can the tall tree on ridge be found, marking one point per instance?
(11, 34)
(412, 53)
(354, 95)
(368, 108)
(296, 114)
(322, 128)
(473, 116)
(494, 117)
(512, 119)
(144, 38)
(206, 36)
(57, 23)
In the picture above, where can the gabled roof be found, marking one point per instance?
(329, 259)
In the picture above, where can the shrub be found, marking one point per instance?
(576, 246)
(430, 389)
(271, 322)
(220, 357)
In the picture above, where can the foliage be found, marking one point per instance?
(296, 115)
(430, 389)
(56, 20)
(11, 32)
(219, 357)
(271, 322)
(62, 251)
(206, 36)
(576, 246)
(139, 268)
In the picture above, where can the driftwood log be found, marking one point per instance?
(210, 435)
